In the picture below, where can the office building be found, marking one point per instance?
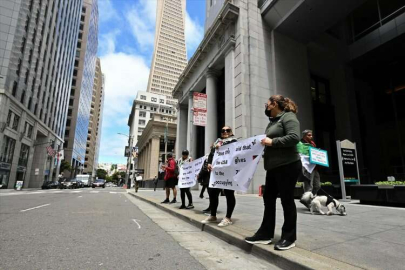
(81, 92)
(37, 53)
(340, 61)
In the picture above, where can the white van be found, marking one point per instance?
(85, 178)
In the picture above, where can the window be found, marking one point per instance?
(68, 123)
(162, 101)
(142, 114)
(7, 150)
(24, 154)
(28, 130)
(16, 122)
(143, 97)
(9, 116)
(67, 132)
(153, 99)
(141, 122)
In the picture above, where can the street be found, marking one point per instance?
(103, 229)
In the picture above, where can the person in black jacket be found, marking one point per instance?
(226, 138)
(204, 179)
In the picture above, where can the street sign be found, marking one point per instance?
(348, 166)
(199, 109)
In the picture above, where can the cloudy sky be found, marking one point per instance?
(126, 37)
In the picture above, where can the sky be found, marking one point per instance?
(126, 37)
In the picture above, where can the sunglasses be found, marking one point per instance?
(227, 130)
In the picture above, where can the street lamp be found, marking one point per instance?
(127, 178)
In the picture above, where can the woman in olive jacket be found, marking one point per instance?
(283, 165)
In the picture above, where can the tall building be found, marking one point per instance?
(169, 56)
(81, 92)
(344, 71)
(96, 114)
(37, 51)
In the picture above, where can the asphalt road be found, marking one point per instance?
(83, 229)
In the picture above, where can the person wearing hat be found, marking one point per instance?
(170, 178)
(185, 191)
(311, 181)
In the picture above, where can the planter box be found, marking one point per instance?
(379, 194)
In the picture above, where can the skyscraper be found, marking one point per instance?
(94, 133)
(82, 88)
(37, 49)
(169, 56)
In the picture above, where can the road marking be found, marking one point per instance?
(35, 207)
(134, 220)
(76, 191)
(94, 191)
(113, 192)
(80, 196)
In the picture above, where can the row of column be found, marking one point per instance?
(148, 158)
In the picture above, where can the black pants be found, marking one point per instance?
(281, 180)
(183, 192)
(214, 201)
(204, 187)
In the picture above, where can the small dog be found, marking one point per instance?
(316, 203)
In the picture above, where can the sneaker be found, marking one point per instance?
(166, 201)
(284, 245)
(173, 201)
(183, 207)
(209, 219)
(206, 210)
(225, 222)
(190, 206)
(257, 239)
(207, 214)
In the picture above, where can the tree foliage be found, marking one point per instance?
(101, 174)
(65, 166)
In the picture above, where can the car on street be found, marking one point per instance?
(98, 183)
(69, 183)
(51, 184)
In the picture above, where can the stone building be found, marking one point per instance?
(37, 53)
(340, 69)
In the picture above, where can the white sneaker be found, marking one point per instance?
(225, 222)
(209, 219)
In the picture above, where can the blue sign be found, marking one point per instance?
(318, 157)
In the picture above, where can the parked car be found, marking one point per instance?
(69, 183)
(80, 183)
(98, 183)
(50, 185)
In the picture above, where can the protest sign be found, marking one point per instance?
(307, 164)
(235, 164)
(318, 156)
(189, 171)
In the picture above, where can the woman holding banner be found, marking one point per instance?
(185, 191)
(226, 138)
(283, 166)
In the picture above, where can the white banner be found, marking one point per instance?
(235, 164)
(189, 171)
(307, 164)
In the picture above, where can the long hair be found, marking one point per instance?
(285, 104)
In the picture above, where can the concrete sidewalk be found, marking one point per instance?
(369, 237)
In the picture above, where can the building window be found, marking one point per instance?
(24, 154)
(16, 122)
(141, 122)
(142, 114)
(28, 130)
(153, 99)
(7, 150)
(143, 97)
(162, 101)
(9, 116)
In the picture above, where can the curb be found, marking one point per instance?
(296, 258)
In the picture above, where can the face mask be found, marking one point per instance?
(267, 113)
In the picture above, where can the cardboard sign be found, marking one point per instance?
(318, 157)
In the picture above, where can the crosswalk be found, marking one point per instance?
(59, 191)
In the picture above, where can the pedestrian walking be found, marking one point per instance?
(204, 180)
(185, 191)
(170, 178)
(283, 166)
(155, 182)
(227, 137)
(311, 181)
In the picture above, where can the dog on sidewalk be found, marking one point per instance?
(315, 203)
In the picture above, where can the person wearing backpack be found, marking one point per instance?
(185, 191)
(170, 178)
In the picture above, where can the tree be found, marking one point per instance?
(65, 166)
(101, 174)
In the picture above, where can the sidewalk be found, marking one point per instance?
(369, 237)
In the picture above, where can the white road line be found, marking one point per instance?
(35, 207)
(76, 191)
(94, 191)
(113, 192)
(134, 220)
(80, 196)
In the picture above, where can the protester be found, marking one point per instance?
(136, 185)
(185, 191)
(204, 179)
(155, 182)
(170, 178)
(283, 166)
(227, 137)
(311, 181)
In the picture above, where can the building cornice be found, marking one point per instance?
(228, 14)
